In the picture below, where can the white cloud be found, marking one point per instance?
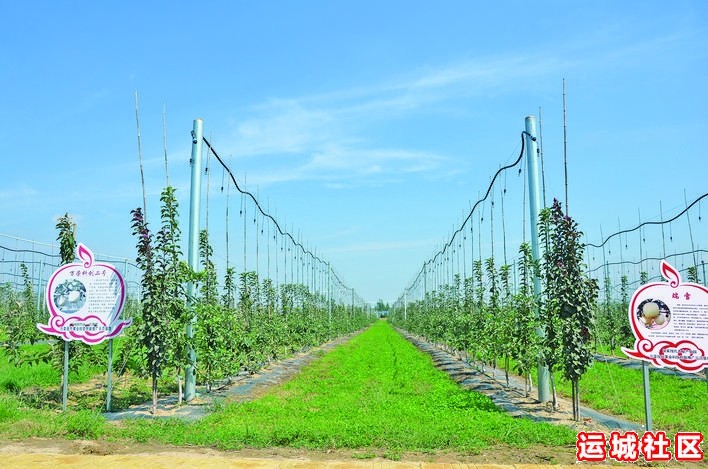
(377, 246)
(17, 192)
(326, 136)
(338, 165)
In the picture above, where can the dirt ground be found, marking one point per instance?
(46, 453)
(39, 453)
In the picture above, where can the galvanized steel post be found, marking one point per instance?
(534, 208)
(193, 250)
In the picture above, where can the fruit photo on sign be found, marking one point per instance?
(670, 332)
(654, 314)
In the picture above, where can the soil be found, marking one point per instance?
(89, 454)
(84, 453)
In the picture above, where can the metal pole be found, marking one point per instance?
(193, 251)
(534, 205)
(647, 397)
(565, 151)
(65, 378)
(109, 384)
(39, 288)
(329, 297)
(405, 305)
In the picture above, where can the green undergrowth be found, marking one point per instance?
(41, 374)
(376, 395)
(678, 404)
(376, 391)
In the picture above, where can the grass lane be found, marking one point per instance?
(376, 391)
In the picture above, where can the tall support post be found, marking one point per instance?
(329, 297)
(405, 305)
(193, 250)
(534, 208)
(39, 286)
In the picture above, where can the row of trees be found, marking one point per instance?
(484, 317)
(239, 325)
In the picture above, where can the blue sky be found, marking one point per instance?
(367, 127)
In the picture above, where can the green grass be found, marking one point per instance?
(677, 404)
(375, 395)
(605, 350)
(377, 391)
(43, 375)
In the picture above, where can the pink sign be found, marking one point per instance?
(670, 323)
(85, 300)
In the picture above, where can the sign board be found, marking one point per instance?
(85, 300)
(670, 323)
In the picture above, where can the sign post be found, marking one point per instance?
(85, 300)
(670, 324)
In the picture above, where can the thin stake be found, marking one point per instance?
(663, 237)
(208, 175)
(140, 156)
(690, 232)
(243, 198)
(275, 237)
(502, 217)
(565, 150)
(471, 246)
(641, 255)
(228, 190)
(464, 254)
(543, 172)
(164, 141)
(255, 222)
(523, 211)
(268, 241)
(491, 223)
(619, 228)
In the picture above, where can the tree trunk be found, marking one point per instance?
(572, 398)
(576, 400)
(154, 394)
(179, 387)
(506, 369)
(554, 402)
(529, 385)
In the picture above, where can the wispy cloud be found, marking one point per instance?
(284, 127)
(17, 192)
(328, 137)
(338, 166)
(377, 246)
